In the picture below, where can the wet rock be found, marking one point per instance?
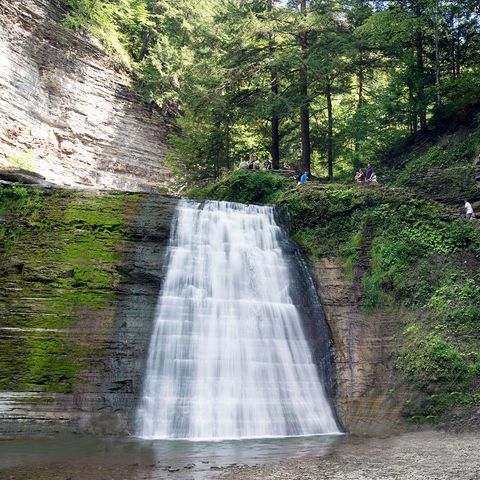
(364, 350)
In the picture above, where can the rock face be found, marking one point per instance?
(79, 280)
(364, 360)
(68, 112)
(80, 276)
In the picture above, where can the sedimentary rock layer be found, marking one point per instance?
(79, 281)
(368, 397)
(67, 111)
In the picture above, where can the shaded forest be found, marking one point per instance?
(320, 85)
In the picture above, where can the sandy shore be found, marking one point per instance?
(411, 456)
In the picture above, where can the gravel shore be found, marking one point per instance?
(412, 456)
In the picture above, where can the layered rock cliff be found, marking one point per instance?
(67, 111)
(79, 282)
(368, 397)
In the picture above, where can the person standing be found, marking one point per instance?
(469, 213)
(243, 163)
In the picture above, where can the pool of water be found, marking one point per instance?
(152, 459)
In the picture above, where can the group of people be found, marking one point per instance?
(368, 176)
(253, 163)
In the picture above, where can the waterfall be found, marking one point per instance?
(228, 356)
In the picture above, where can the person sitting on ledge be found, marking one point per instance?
(267, 164)
(370, 171)
(243, 164)
(359, 176)
(303, 180)
(256, 164)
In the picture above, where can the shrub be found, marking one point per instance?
(431, 361)
(245, 187)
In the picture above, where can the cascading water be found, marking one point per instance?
(229, 357)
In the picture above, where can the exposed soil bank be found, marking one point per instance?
(412, 456)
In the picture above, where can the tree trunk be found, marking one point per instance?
(421, 73)
(458, 56)
(437, 56)
(360, 99)
(145, 41)
(328, 94)
(412, 116)
(360, 79)
(305, 108)
(275, 149)
(228, 157)
(305, 121)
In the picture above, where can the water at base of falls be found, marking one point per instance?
(228, 356)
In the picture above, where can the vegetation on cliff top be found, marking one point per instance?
(328, 85)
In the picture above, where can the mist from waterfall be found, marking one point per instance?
(229, 357)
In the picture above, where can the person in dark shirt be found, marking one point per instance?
(369, 173)
(359, 176)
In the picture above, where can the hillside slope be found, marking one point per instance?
(442, 163)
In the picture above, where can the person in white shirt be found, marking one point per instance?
(469, 213)
(243, 163)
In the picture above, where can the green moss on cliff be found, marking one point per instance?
(61, 255)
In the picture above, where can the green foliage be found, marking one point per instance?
(434, 362)
(350, 253)
(227, 71)
(98, 18)
(245, 187)
(417, 258)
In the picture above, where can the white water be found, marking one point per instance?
(228, 357)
